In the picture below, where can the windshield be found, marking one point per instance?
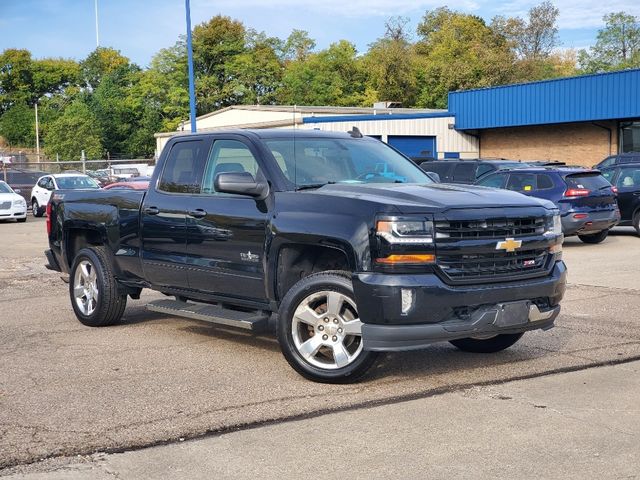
(308, 162)
(4, 188)
(73, 183)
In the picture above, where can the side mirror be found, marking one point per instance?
(433, 176)
(241, 183)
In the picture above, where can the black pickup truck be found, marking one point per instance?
(337, 239)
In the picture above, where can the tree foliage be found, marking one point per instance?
(105, 103)
(77, 129)
(617, 45)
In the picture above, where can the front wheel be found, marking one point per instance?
(636, 222)
(93, 289)
(487, 345)
(320, 332)
(595, 238)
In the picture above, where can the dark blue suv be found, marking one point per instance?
(587, 201)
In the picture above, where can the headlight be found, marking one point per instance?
(19, 203)
(554, 227)
(412, 231)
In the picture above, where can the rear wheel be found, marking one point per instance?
(93, 289)
(595, 238)
(636, 222)
(36, 210)
(320, 332)
(487, 345)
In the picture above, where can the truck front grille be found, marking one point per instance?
(494, 266)
(491, 228)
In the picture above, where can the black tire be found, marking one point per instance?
(488, 345)
(110, 303)
(36, 209)
(636, 222)
(21, 220)
(333, 281)
(595, 238)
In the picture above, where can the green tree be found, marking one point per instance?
(617, 46)
(102, 61)
(335, 76)
(76, 130)
(391, 64)
(532, 39)
(297, 46)
(216, 43)
(17, 125)
(459, 51)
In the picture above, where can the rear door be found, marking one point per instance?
(164, 213)
(227, 232)
(628, 183)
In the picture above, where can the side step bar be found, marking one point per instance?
(212, 313)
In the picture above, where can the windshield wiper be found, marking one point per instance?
(313, 185)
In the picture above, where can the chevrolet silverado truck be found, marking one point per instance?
(338, 240)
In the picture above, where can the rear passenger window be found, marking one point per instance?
(183, 168)
(441, 169)
(228, 156)
(522, 182)
(545, 182)
(483, 170)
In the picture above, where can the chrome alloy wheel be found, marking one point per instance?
(327, 331)
(85, 288)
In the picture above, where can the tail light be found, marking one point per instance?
(614, 189)
(577, 192)
(49, 206)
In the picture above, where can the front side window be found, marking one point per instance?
(42, 183)
(629, 178)
(317, 161)
(183, 168)
(608, 174)
(228, 156)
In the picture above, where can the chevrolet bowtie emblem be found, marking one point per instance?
(509, 244)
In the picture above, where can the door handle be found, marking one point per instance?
(636, 193)
(197, 213)
(151, 210)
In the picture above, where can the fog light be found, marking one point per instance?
(407, 300)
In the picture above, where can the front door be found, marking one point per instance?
(226, 233)
(628, 183)
(164, 214)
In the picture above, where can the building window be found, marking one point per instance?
(630, 137)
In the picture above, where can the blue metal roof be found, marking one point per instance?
(607, 96)
(378, 117)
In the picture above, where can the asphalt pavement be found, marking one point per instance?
(68, 390)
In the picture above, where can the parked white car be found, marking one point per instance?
(12, 205)
(47, 184)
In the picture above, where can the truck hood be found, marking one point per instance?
(433, 197)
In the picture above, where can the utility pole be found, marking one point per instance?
(97, 30)
(37, 134)
(192, 88)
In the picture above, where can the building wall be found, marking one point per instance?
(574, 143)
(447, 139)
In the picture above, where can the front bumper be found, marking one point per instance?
(13, 212)
(594, 222)
(445, 312)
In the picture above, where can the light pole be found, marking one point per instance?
(97, 31)
(37, 134)
(192, 88)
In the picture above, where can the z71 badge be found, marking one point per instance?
(249, 257)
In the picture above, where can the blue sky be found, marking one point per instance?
(139, 28)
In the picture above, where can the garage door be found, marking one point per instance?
(414, 147)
